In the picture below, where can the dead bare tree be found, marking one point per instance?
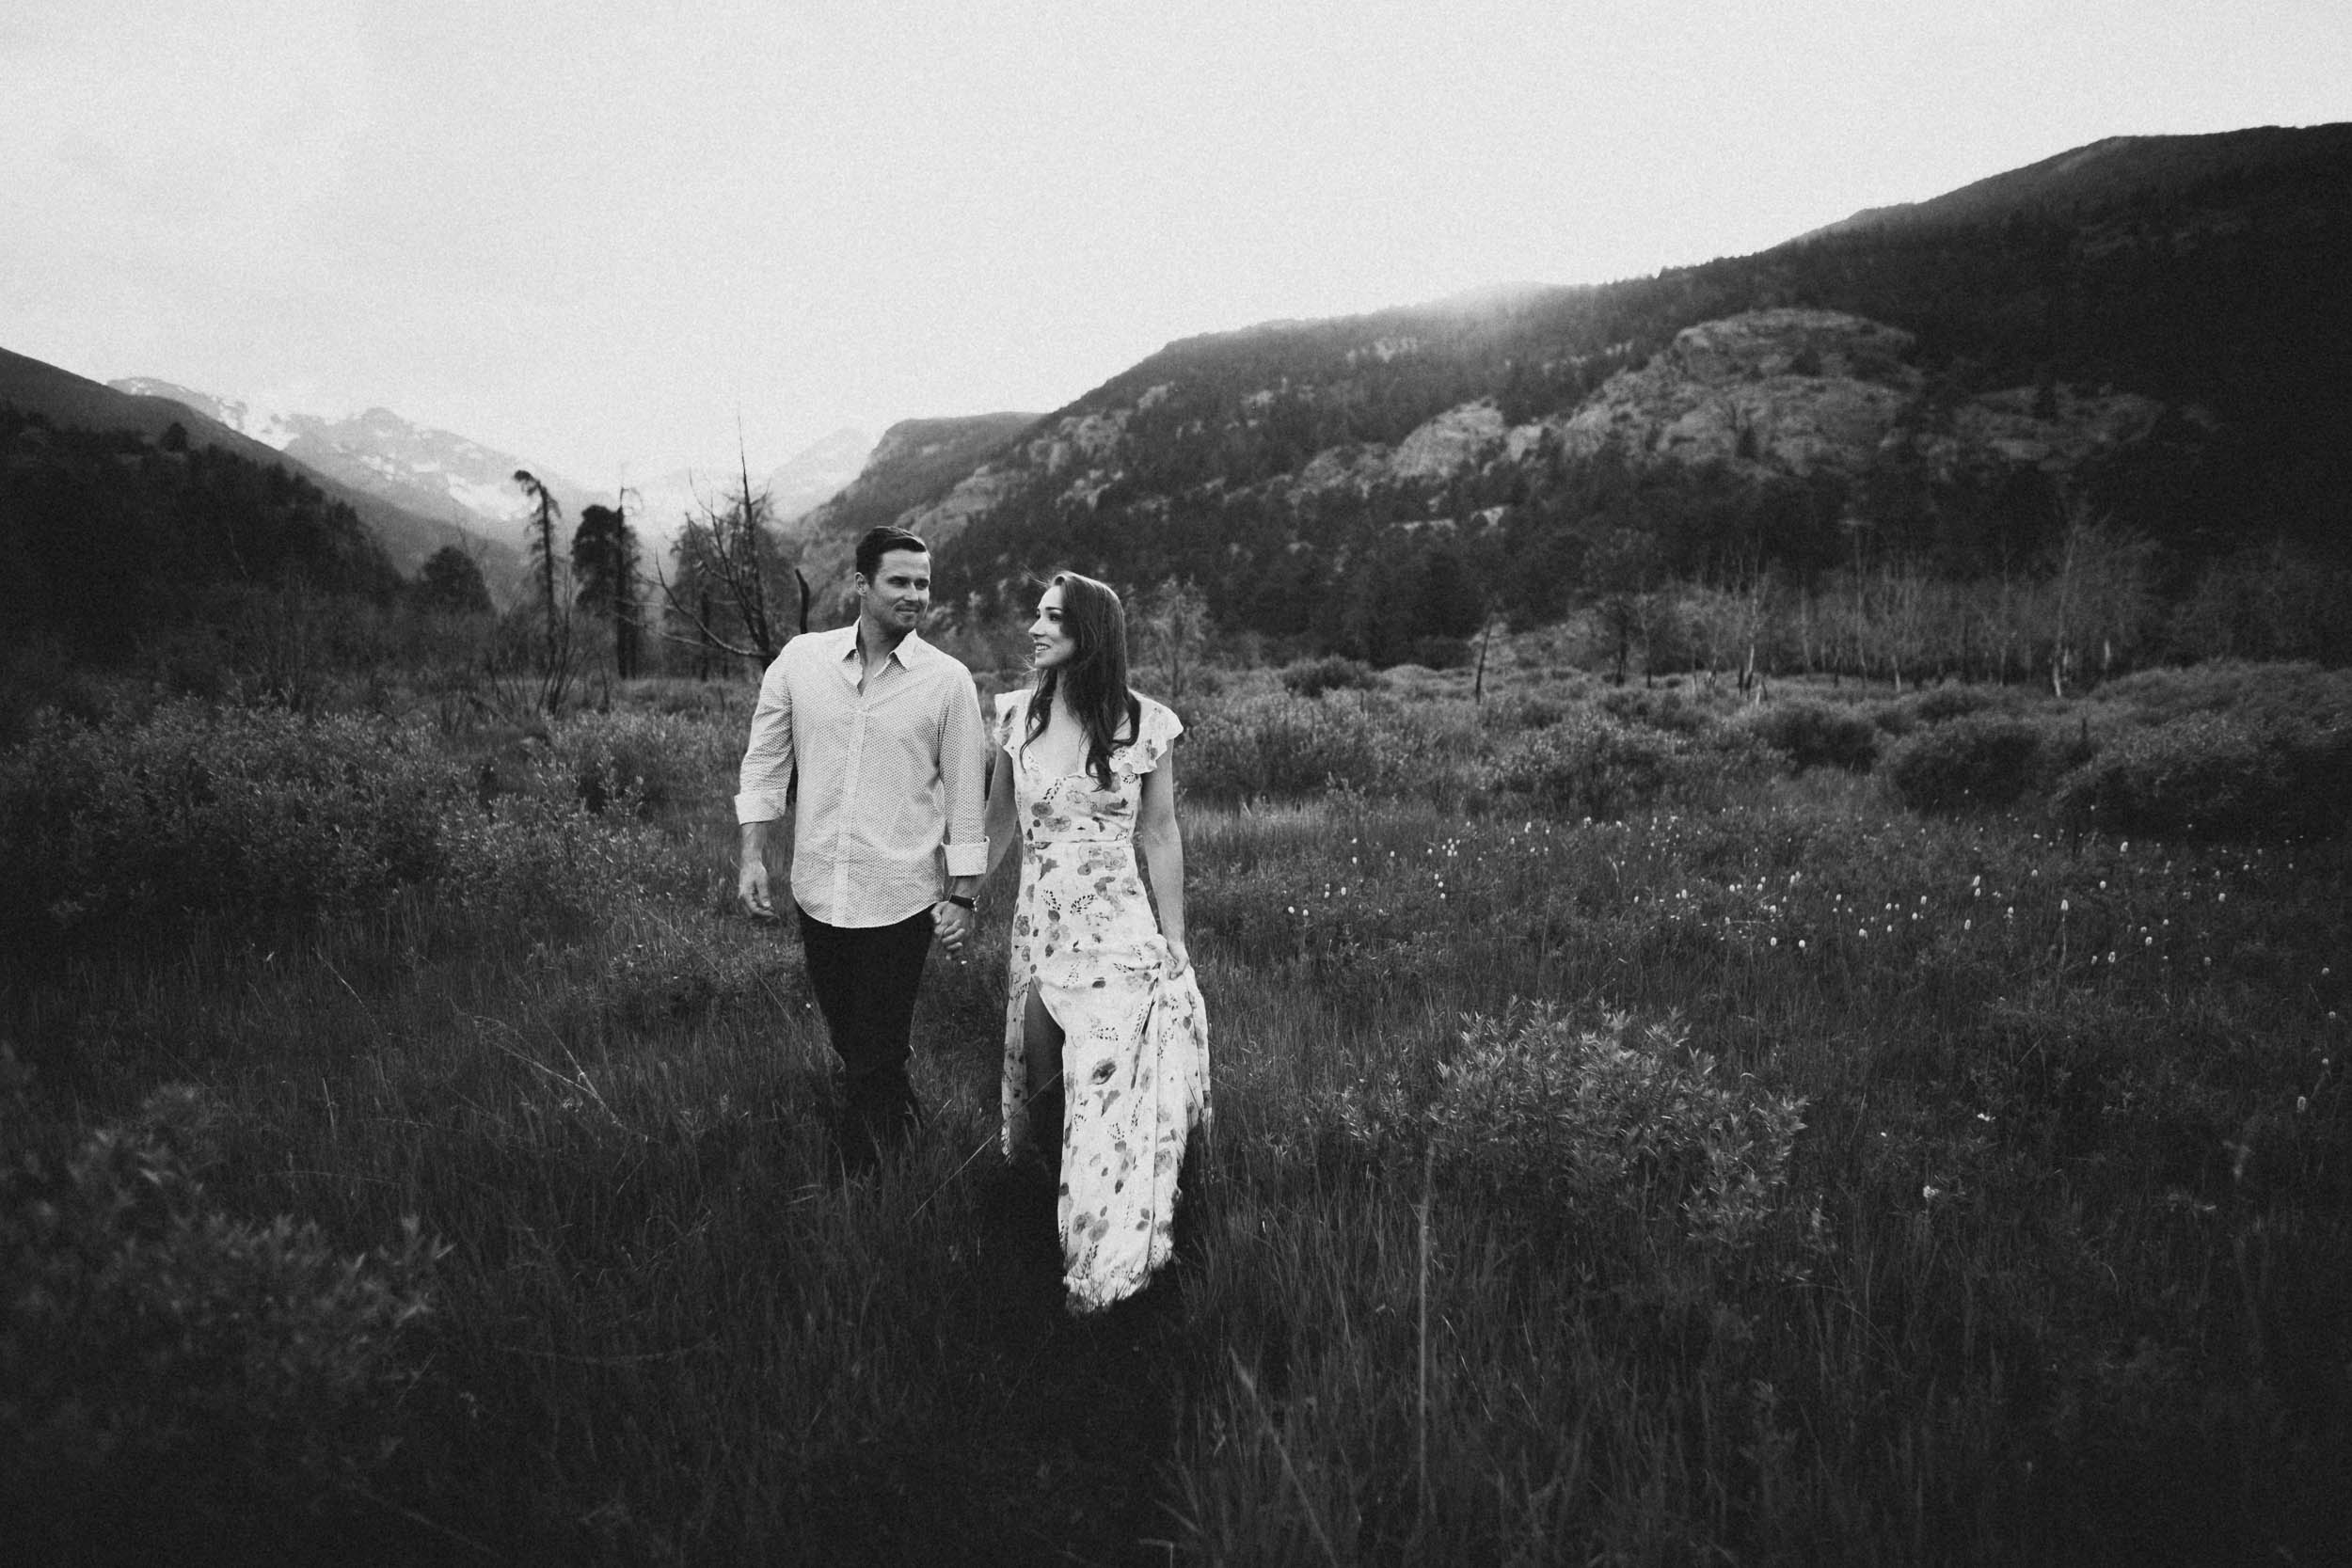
(2100, 590)
(728, 553)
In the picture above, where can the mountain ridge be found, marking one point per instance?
(2141, 327)
(407, 536)
(432, 473)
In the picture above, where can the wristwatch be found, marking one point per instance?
(960, 901)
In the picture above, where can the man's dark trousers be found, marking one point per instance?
(865, 978)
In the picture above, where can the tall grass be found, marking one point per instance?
(1805, 1178)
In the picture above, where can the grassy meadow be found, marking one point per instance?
(1653, 1124)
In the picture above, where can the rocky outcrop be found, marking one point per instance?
(1456, 439)
(1793, 392)
(1771, 391)
(974, 496)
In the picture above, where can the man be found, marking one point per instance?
(885, 734)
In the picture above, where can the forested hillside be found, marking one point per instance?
(1334, 482)
(108, 538)
(408, 538)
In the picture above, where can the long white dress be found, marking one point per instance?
(1136, 1043)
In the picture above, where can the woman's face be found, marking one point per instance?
(1050, 643)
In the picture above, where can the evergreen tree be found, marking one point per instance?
(545, 510)
(451, 582)
(604, 562)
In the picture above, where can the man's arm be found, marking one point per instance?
(964, 775)
(763, 790)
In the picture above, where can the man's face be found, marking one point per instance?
(894, 597)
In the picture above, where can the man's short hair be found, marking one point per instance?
(880, 542)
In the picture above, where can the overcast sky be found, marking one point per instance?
(592, 231)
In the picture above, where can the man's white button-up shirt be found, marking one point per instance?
(891, 775)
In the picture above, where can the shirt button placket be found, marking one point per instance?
(842, 815)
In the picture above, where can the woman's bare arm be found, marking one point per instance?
(1163, 848)
(1003, 831)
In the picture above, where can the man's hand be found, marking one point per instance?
(953, 925)
(751, 888)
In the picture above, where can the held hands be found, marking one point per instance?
(953, 925)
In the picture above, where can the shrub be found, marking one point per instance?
(1589, 766)
(162, 1363)
(1818, 734)
(1440, 653)
(726, 702)
(1278, 750)
(1981, 760)
(537, 861)
(645, 762)
(238, 814)
(2212, 776)
(1528, 710)
(244, 819)
(1619, 1120)
(1671, 710)
(2287, 695)
(1334, 673)
(1895, 718)
(1942, 704)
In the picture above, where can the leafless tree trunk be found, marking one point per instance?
(727, 552)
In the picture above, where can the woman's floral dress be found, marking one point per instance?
(1136, 1043)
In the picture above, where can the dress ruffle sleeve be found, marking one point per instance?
(1011, 711)
(1156, 732)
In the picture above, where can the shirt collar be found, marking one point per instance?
(912, 650)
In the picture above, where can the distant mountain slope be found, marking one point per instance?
(915, 461)
(408, 537)
(2150, 326)
(432, 473)
(817, 472)
(2121, 174)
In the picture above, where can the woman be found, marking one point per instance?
(1106, 1045)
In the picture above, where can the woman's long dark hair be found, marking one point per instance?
(1096, 671)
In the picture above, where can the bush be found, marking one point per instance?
(1670, 709)
(646, 763)
(166, 1366)
(2212, 776)
(1588, 765)
(1278, 750)
(1440, 653)
(1314, 677)
(244, 818)
(1945, 703)
(1619, 1122)
(2288, 696)
(536, 859)
(1981, 760)
(1818, 734)
(241, 815)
